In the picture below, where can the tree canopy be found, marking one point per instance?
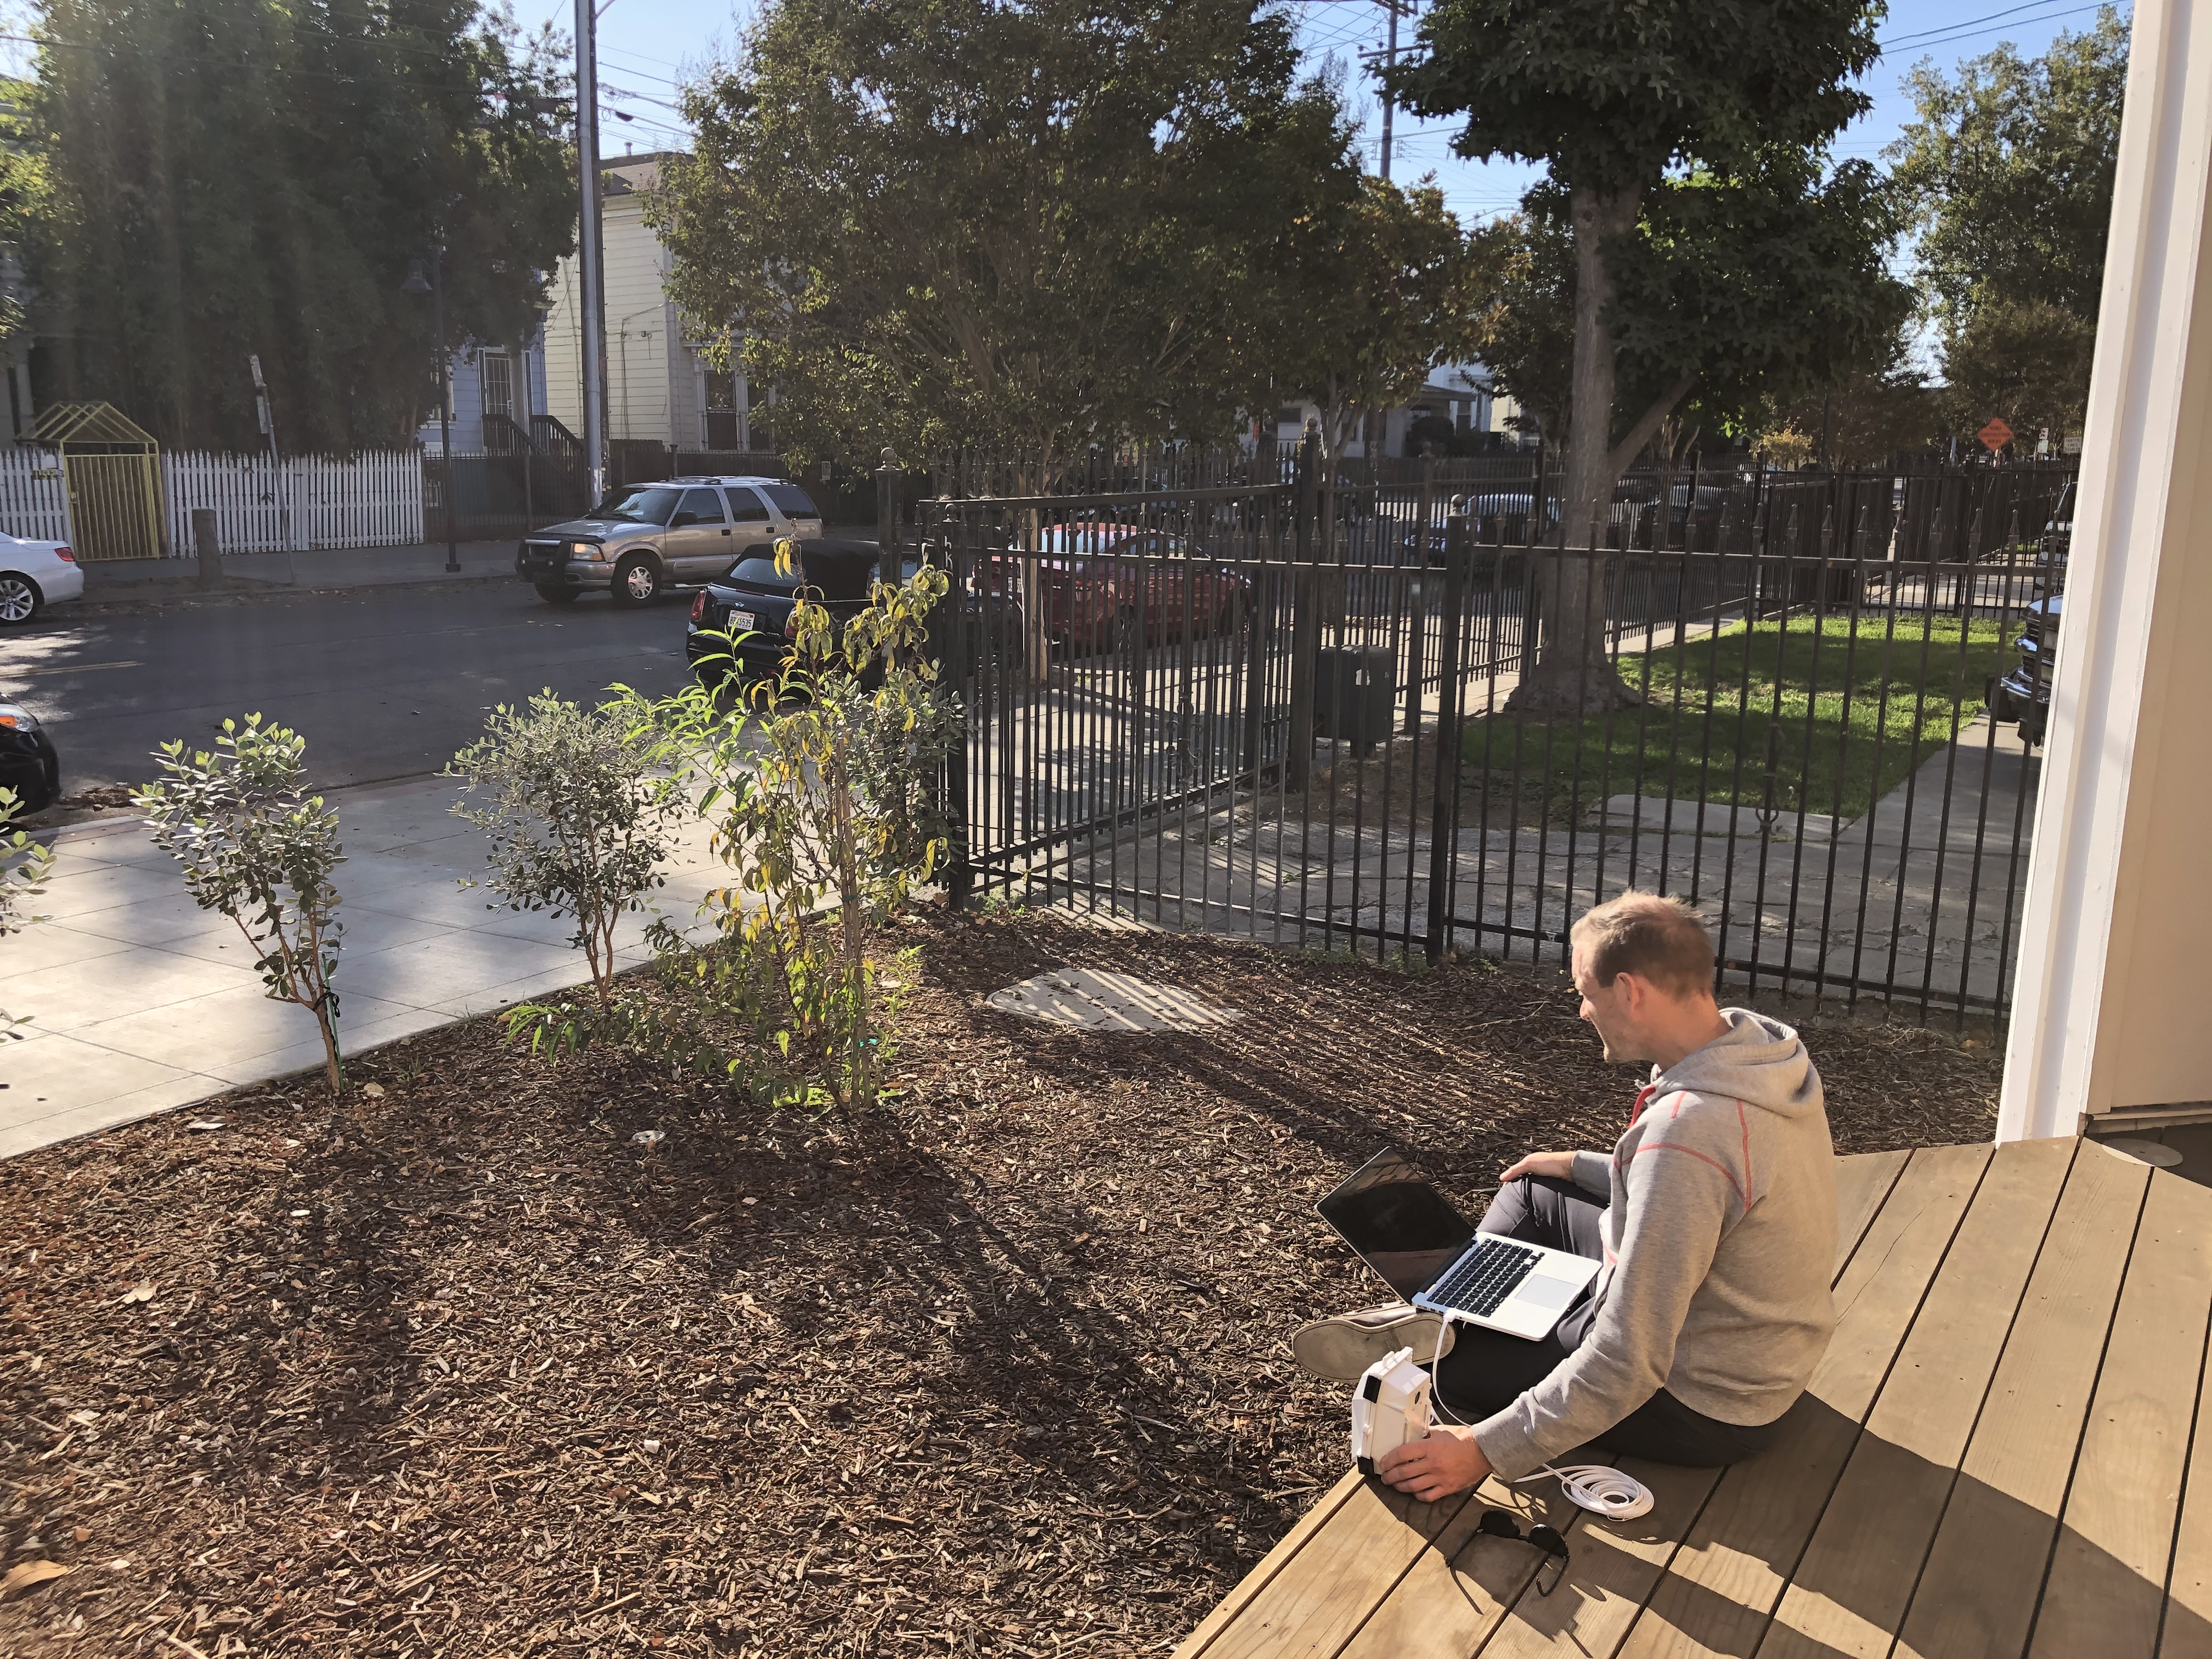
(1383, 286)
(2008, 171)
(229, 177)
(1686, 140)
(941, 223)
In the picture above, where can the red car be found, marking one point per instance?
(1099, 578)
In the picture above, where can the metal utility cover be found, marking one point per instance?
(1096, 1002)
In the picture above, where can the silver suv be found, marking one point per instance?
(645, 539)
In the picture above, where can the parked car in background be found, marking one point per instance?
(34, 575)
(2024, 693)
(1687, 524)
(646, 538)
(29, 764)
(1099, 579)
(743, 621)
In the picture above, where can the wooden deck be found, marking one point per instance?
(1996, 1459)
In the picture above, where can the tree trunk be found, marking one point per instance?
(1572, 675)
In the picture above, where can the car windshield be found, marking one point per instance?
(642, 504)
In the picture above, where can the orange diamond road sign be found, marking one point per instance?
(1996, 435)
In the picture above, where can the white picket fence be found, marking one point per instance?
(34, 500)
(373, 500)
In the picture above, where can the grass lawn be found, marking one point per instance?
(1704, 730)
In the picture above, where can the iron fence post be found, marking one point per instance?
(890, 566)
(951, 547)
(1305, 614)
(1444, 809)
(1416, 622)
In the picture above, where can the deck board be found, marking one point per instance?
(2106, 1585)
(1848, 1591)
(1716, 1596)
(2015, 1394)
(1976, 1593)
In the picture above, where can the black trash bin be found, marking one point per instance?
(1355, 694)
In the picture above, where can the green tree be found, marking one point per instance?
(227, 176)
(1384, 287)
(939, 223)
(2026, 360)
(2008, 174)
(1725, 106)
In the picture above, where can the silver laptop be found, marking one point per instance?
(1408, 1232)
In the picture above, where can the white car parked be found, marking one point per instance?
(34, 575)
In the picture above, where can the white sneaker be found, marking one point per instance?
(1342, 1347)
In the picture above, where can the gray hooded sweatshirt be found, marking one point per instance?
(1720, 1238)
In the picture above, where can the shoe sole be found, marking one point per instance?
(1341, 1351)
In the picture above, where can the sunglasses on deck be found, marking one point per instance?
(1497, 1524)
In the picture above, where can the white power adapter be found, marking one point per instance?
(1389, 1407)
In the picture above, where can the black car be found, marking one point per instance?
(28, 762)
(2024, 694)
(741, 624)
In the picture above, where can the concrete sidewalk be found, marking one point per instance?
(140, 580)
(159, 579)
(141, 1001)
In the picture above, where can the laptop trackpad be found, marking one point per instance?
(1543, 1290)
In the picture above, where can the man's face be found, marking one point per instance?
(1611, 1009)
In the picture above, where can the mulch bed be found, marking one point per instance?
(465, 1369)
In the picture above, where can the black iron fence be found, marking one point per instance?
(1289, 710)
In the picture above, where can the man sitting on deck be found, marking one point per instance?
(1715, 1218)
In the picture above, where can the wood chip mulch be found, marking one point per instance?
(465, 1369)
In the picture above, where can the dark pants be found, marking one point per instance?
(1487, 1370)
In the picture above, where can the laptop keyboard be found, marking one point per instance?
(1482, 1278)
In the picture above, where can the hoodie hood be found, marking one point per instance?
(1759, 1061)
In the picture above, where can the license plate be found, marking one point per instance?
(741, 622)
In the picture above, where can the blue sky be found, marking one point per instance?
(648, 46)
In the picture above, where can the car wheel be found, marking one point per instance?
(554, 593)
(637, 580)
(20, 599)
(2002, 705)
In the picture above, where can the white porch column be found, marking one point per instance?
(2112, 1007)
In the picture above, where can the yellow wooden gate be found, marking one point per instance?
(112, 469)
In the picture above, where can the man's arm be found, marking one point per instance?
(1591, 1171)
(1679, 1201)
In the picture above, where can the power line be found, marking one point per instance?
(1969, 26)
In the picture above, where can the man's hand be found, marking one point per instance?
(1446, 1461)
(1561, 1166)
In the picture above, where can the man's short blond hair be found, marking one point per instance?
(1658, 939)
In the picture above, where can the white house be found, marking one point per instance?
(507, 381)
(659, 388)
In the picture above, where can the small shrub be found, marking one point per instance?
(258, 848)
(824, 802)
(578, 818)
(24, 865)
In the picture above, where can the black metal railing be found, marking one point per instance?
(1289, 710)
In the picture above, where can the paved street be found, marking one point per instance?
(139, 1001)
(384, 683)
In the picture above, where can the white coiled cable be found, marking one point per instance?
(1593, 1486)
(1601, 1490)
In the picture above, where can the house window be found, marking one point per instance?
(721, 411)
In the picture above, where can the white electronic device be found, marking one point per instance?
(1389, 1407)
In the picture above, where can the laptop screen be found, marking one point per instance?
(1403, 1227)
